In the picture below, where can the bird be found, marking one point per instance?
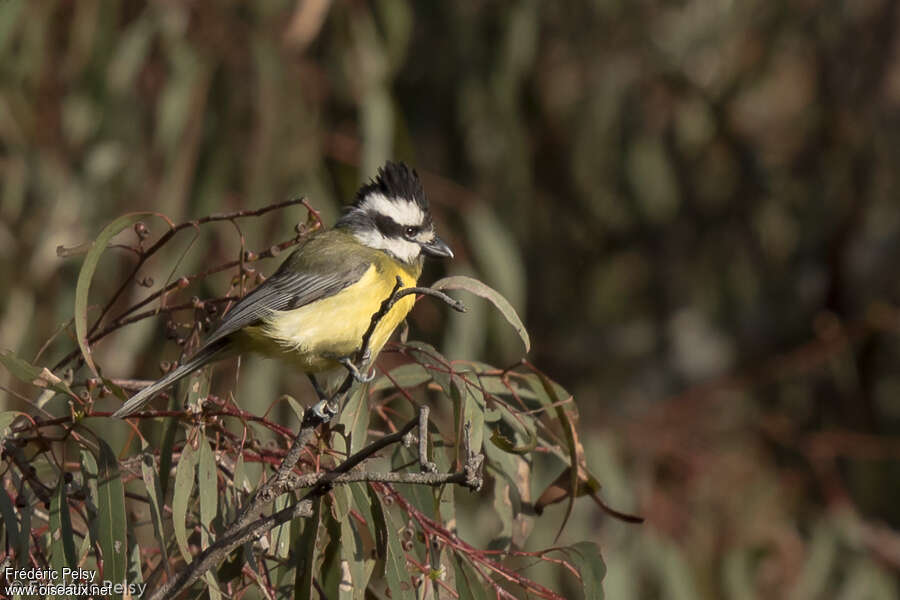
(314, 311)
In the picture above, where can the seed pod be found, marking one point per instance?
(141, 229)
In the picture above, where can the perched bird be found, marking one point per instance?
(315, 309)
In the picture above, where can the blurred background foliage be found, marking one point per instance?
(693, 203)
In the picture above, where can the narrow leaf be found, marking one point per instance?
(184, 485)
(9, 520)
(469, 284)
(395, 571)
(111, 524)
(26, 372)
(154, 495)
(355, 419)
(207, 485)
(305, 554)
(62, 538)
(574, 448)
(86, 275)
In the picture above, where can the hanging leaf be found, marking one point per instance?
(155, 497)
(207, 485)
(547, 390)
(586, 558)
(86, 275)
(395, 571)
(469, 284)
(111, 523)
(62, 538)
(305, 553)
(10, 522)
(184, 485)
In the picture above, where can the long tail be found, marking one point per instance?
(214, 351)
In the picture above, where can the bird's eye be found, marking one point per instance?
(409, 231)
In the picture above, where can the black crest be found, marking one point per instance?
(395, 180)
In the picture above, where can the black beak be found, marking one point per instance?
(437, 248)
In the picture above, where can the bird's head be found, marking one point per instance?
(390, 213)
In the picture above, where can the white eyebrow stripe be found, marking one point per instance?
(401, 210)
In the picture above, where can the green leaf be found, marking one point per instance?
(330, 579)
(167, 447)
(198, 386)
(62, 538)
(469, 284)
(355, 565)
(377, 522)
(428, 357)
(468, 583)
(305, 553)
(280, 535)
(395, 571)
(207, 485)
(6, 419)
(473, 415)
(406, 376)
(10, 522)
(547, 390)
(586, 558)
(355, 419)
(184, 485)
(503, 433)
(111, 524)
(86, 275)
(154, 495)
(28, 373)
(24, 549)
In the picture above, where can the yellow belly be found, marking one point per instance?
(313, 337)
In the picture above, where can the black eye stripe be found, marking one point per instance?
(391, 228)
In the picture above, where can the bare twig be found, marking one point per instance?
(427, 465)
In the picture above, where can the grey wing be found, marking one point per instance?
(283, 291)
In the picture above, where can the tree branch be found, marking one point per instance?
(245, 529)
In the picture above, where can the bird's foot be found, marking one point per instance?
(358, 375)
(323, 411)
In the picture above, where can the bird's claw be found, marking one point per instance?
(358, 375)
(323, 410)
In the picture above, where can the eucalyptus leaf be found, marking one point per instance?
(395, 571)
(10, 522)
(62, 538)
(305, 553)
(469, 284)
(468, 584)
(111, 522)
(86, 275)
(586, 558)
(26, 372)
(156, 502)
(208, 489)
(184, 485)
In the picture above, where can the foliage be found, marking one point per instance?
(691, 204)
(350, 515)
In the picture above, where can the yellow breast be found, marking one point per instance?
(315, 335)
